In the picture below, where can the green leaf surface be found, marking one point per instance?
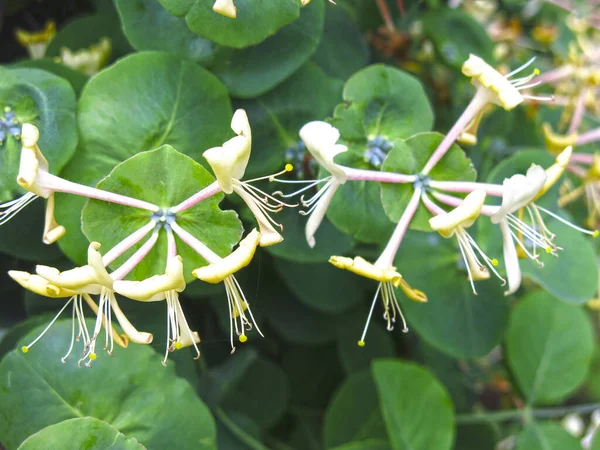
(455, 34)
(148, 26)
(546, 436)
(353, 414)
(255, 20)
(322, 286)
(368, 444)
(409, 157)
(140, 103)
(385, 102)
(89, 30)
(343, 49)
(132, 392)
(454, 320)
(408, 394)
(164, 178)
(255, 70)
(46, 101)
(573, 276)
(76, 79)
(79, 433)
(549, 347)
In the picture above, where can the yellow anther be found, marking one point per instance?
(536, 71)
(548, 250)
(494, 262)
(289, 167)
(243, 338)
(361, 343)
(177, 345)
(24, 349)
(93, 357)
(596, 233)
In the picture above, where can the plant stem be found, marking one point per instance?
(238, 432)
(376, 175)
(589, 136)
(203, 194)
(511, 414)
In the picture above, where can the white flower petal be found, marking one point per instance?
(520, 190)
(320, 139)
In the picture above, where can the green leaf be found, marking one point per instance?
(353, 414)
(479, 436)
(132, 392)
(261, 393)
(454, 320)
(255, 20)
(410, 157)
(455, 34)
(180, 178)
(386, 102)
(343, 49)
(321, 286)
(252, 71)
(83, 432)
(46, 101)
(76, 79)
(546, 436)
(573, 276)
(549, 347)
(148, 26)
(407, 394)
(368, 444)
(85, 31)
(140, 103)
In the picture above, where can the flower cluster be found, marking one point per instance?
(80, 284)
(519, 217)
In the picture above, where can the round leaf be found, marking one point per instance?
(410, 157)
(254, 22)
(179, 178)
(454, 320)
(455, 34)
(353, 414)
(546, 436)
(386, 102)
(407, 393)
(44, 100)
(148, 26)
(132, 392)
(549, 348)
(83, 432)
(252, 71)
(140, 103)
(76, 79)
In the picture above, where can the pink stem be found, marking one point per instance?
(210, 256)
(127, 243)
(376, 175)
(473, 108)
(432, 207)
(450, 200)
(57, 184)
(496, 190)
(386, 259)
(577, 170)
(578, 112)
(135, 259)
(582, 158)
(554, 75)
(203, 194)
(588, 137)
(171, 245)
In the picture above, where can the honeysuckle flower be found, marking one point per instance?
(455, 223)
(556, 143)
(225, 8)
(222, 269)
(165, 287)
(41, 286)
(87, 60)
(321, 139)
(34, 176)
(497, 88)
(591, 189)
(93, 278)
(36, 43)
(469, 134)
(229, 165)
